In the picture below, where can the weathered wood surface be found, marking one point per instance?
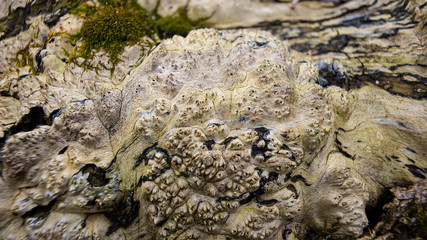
(383, 43)
(381, 141)
(14, 14)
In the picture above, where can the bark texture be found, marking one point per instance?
(304, 121)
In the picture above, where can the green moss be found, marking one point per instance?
(116, 24)
(176, 25)
(113, 28)
(84, 10)
(128, 4)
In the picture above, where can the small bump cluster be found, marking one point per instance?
(219, 135)
(220, 161)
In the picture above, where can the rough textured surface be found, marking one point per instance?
(405, 216)
(379, 42)
(220, 134)
(353, 42)
(45, 78)
(248, 13)
(14, 14)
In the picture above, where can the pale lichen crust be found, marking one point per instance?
(219, 135)
(219, 150)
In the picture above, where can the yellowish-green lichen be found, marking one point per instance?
(24, 58)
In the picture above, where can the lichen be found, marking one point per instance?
(24, 58)
(217, 135)
(28, 57)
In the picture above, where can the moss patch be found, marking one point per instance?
(181, 24)
(115, 24)
(111, 29)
